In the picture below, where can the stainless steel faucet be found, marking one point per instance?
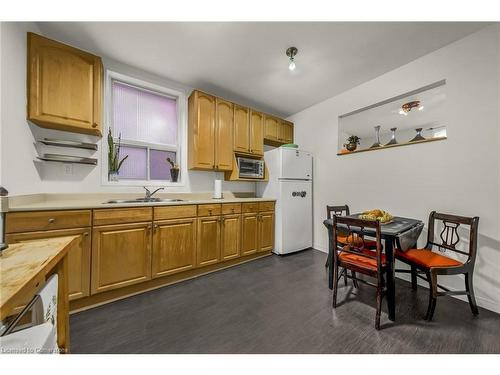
(149, 194)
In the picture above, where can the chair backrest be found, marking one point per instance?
(448, 237)
(337, 211)
(357, 245)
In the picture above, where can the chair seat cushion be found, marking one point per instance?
(355, 240)
(361, 260)
(426, 258)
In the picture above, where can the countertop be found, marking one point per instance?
(25, 265)
(43, 202)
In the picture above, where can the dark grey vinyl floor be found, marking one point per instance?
(279, 305)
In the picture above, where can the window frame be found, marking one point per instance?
(180, 149)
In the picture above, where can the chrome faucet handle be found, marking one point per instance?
(148, 192)
(151, 194)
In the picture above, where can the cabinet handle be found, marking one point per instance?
(86, 234)
(155, 227)
(232, 210)
(223, 220)
(94, 125)
(51, 220)
(210, 212)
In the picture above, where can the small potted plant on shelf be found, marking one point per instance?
(114, 162)
(174, 170)
(352, 143)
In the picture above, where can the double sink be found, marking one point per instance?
(142, 200)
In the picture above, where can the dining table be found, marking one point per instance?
(389, 232)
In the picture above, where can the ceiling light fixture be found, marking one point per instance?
(291, 52)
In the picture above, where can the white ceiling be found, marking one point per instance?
(246, 61)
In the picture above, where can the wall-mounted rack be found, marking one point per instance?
(67, 159)
(68, 143)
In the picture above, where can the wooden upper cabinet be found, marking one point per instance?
(201, 131)
(286, 132)
(174, 246)
(271, 125)
(241, 129)
(224, 135)
(64, 87)
(256, 133)
(121, 256)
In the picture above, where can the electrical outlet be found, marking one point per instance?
(68, 169)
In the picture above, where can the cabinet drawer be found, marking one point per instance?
(46, 220)
(231, 208)
(175, 212)
(209, 209)
(266, 206)
(122, 215)
(250, 207)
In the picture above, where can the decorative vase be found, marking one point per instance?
(174, 174)
(113, 176)
(419, 136)
(377, 137)
(351, 146)
(393, 137)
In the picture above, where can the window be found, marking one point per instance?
(147, 119)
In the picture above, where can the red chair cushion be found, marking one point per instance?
(354, 239)
(366, 260)
(427, 258)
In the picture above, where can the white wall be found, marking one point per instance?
(460, 175)
(20, 174)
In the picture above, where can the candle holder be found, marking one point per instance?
(419, 136)
(393, 137)
(377, 137)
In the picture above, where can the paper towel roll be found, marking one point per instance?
(218, 189)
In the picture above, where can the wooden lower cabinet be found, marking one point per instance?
(121, 256)
(249, 233)
(208, 247)
(174, 246)
(230, 236)
(78, 257)
(266, 231)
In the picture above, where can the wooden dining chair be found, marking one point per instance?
(432, 263)
(344, 237)
(358, 258)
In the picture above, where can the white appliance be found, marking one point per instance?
(290, 183)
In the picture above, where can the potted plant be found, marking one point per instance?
(352, 143)
(174, 170)
(114, 162)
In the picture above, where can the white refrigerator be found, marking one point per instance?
(290, 183)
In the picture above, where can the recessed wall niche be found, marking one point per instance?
(408, 119)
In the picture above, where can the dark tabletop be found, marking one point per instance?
(396, 227)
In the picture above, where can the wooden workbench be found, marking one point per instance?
(24, 267)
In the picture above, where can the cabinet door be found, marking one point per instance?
(241, 129)
(231, 236)
(52, 102)
(208, 240)
(270, 128)
(249, 234)
(174, 246)
(286, 132)
(224, 136)
(78, 257)
(266, 231)
(201, 131)
(257, 133)
(121, 256)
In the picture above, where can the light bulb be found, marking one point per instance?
(291, 65)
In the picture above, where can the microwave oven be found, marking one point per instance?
(250, 168)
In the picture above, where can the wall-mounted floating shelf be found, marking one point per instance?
(67, 159)
(391, 146)
(67, 143)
